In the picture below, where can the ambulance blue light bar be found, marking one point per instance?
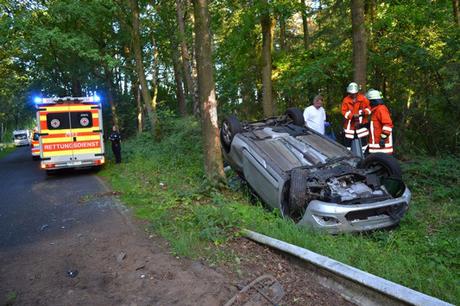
(92, 99)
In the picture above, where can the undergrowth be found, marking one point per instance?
(6, 149)
(164, 183)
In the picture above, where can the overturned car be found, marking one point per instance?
(312, 179)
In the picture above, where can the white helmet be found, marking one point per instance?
(373, 94)
(352, 88)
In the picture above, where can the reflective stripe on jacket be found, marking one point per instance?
(359, 106)
(381, 123)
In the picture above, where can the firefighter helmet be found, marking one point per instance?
(352, 88)
(373, 94)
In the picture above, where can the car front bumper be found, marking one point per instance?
(338, 218)
(21, 142)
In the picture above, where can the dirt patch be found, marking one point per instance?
(255, 260)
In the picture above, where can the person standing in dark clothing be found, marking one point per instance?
(115, 138)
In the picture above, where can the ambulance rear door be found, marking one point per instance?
(86, 124)
(55, 134)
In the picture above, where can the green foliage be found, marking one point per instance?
(164, 183)
(6, 149)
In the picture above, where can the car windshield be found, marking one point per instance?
(20, 136)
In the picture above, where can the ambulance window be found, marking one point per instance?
(57, 121)
(81, 120)
(36, 136)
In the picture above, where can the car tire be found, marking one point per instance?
(230, 127)
(296, 115)
(297, 194)
(389, 166)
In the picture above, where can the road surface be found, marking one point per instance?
(50, 225)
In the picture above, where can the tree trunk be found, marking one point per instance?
(359, 42)
(139, 108)
(137, 48)
(456, 9)
(187, 68)
(304, 24)
(267, 100)
(179, 82)
(282, 21)
(76, 87)
(109, 90)
(155, 75)
(207, 94)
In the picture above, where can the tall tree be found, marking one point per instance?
(179, 81)
(187, 67)
(267, 97)
(137, 48)
(304, 24)
(207, 94)
(456, 9)
(359, 43)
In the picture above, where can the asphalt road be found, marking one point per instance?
(50, 225)
(34, 206)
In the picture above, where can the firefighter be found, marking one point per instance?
(355, 109)
(381, 125)
(115, 138)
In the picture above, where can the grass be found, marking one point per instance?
(6, 149)
(163, 182)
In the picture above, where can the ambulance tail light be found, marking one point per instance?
(99, 161)
(47, 166)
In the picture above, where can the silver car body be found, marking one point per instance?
(264, 155)
(21, 138)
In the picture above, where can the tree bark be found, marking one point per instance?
(155, 75)
(109, 90)
(140, 109)
(359, 43)
(76, 87)
(187, 68)
(305, 24)
(267, 99)
(456, 10)
(151, 113)
(179, 82)
(282, 21)
(207, 94)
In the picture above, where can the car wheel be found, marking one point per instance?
(230, 127)
(383, 165)
(296, 116)
(297, 195)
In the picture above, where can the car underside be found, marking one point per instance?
(313, 180)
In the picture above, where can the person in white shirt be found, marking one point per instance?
(315, 116)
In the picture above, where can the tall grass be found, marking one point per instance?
(164, 183)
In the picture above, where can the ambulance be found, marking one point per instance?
(70, 132)
(35, 144)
